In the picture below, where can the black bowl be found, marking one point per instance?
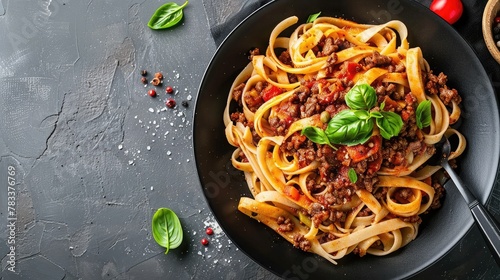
(445, 51)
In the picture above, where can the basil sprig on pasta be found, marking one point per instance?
(355, 125)
(423, 114)
(313, 17)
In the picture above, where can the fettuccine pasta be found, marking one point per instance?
(331, 199)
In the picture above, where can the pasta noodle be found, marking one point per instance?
(362, 195)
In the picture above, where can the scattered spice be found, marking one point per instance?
(159, 75)
(144, 80)
(156, 82)
(496, 30)
(209, 231)
(204, 242)
(169, 89)
(144, 73)
(184, 103)
(152, 92)
(170, 103)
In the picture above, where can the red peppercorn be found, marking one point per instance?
(152, 92)
(497, 19)
(170, 103)
(169, 89)
(204, 241)
(209, 231)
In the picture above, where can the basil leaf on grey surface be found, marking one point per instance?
(167, 229)
(390, 125)
(346, 128)
(166, 16)
(361, 97)
(313, 17)
(353, 177)
(423, 114)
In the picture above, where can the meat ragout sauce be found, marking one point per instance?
(331, 178)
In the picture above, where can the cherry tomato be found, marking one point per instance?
(449, 10)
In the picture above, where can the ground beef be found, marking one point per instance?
(438, 195)
(301, 94)
(237, 92)
(284, 224)
(238, 117)
(285, 58)
(301, 242)
(253, 52)
(359, 252)
(311, 107)
(376, 60)
(437, 85)
(412, 219)
(448, 95)
(329, 47)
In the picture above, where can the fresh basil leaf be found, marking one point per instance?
(347, 129)
(361, 97)
(353, 177)
(313, 17)
(315, 134)
(362, 114)
(382, 105)
(167, 229)
(390, 125)
(423, 114)
(166, 16)
(376, 115)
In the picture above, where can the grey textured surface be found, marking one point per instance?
(94, 155)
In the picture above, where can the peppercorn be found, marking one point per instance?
(169, 89)
(156, 82)
(204, 241)
(144, 80)
(209, 231)
(152, 92)
(170, 103)
(496, 30)
(184, 103)
(159, 75)
(144, 73)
